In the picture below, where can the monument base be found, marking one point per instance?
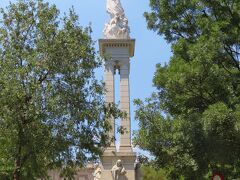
(109, 159)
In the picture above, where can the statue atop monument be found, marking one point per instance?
(114, 7)
(117, 27)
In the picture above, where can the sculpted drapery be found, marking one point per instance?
(117, 28)
(118, 171)
(114, 7)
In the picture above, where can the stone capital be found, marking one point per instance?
(124, 64)
(109, 65)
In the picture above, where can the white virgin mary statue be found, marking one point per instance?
(117, 27)
(114, 8)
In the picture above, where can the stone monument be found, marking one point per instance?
(117, 48)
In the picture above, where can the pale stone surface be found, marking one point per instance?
(117, 27)
(109, 159)
(125, 140)
(110, 97)
(118, 171)
(118, 53)
(97, 172)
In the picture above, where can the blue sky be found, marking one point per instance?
(150, 48)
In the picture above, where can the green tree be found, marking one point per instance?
(149, 173)
(52, 112)
(191, 124)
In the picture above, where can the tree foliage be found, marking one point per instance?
(149, 173)
(52, 113)
(191, 124)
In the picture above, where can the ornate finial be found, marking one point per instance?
(117, 28)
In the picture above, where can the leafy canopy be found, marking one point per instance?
(191, 124)
(52, 113)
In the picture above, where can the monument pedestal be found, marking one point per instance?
(109, 159)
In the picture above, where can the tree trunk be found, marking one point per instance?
(18, 163)
(16, 173)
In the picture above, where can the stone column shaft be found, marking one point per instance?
(110, 97)
(125, 140)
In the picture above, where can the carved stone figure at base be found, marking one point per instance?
(97, 172)
(118, 171)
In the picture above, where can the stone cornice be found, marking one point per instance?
(117, 43)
